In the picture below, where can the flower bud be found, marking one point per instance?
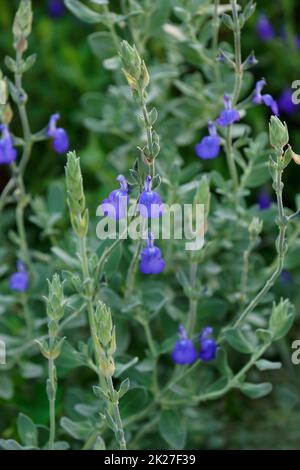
(22, 25)
(55, 299)
(255, 228)
(281, 319)
(279, 134)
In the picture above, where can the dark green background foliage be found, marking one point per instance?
(77, 74)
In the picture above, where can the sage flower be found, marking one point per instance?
(266, 99)
(264, 200)
(19, 280)
(151, 258)
(229, 115)
(286, 277)
(150, 204)
(209, 147)
(285, 103)
(58, 134)
(115, 205)
(8, 153)
(264, 29)
(56, 8)
(208, 346)
(184, 351)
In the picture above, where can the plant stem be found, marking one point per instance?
(193, 301)
(120, 436)
(130, 279)
(238, 53)
(281, 250)
(245, 272)
(230, 158)
(216, 26)
(105, 383)
(51, 371)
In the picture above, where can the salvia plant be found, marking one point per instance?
(130, 339)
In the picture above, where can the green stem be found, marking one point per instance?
(238, 54)
(193, 300)
(51, 371)
(230, 158)
(105, 383)
(245, 272)
(280, 256)
(120, 436)
(215, 42)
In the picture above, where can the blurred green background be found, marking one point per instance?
(65, 74)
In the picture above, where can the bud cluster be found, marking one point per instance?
(105, 339)
(22, 26)
(134, 68)
(75, 196)
(55, 310)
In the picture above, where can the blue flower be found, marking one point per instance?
(285, 103)
(286, 277)
(19, 281)
(266, 99)
(58, 134)
(229, 115)
(264, 29)
(151, 258)
(264, 200)
(184, 351)
(115, 205)
(8, 153)
(209, 146)
(56, 8)
(208, 345)
(150, 204)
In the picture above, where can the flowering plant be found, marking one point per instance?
(140, 335)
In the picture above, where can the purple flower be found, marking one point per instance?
(150, 205)
(8, 153)
(208, 345)
(297, 41)
(286, 277)
(151, 258)
(58, 134)
(266, 99)
(56, 8)
(184, 351)
(252, 60)
(229, 115)
(264, 29)
(209, 146)
(19, 281)
(115, 205)
(264, 200)
(285, 103)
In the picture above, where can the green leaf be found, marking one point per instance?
(172, 427)
(161, 11)
(84, 13)
(102, 45)
(282, 318)
(112, 264)
(10, 444)
(238, 340)
(124, 387)
(133, 402)
(27, 430)
(6, 387)
(65, 257)
(99, 444)
(256, 390)
(78, 429)
(264, 364)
